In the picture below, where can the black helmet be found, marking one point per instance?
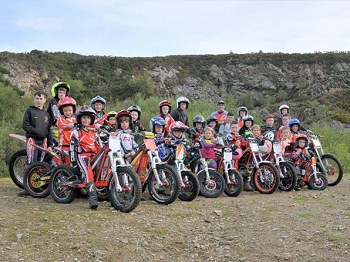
(135, 108)
(248, 118)
(198, 119)
(212, 119)
(56, 86)
(86, 111)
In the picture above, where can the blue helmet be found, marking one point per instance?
(156, 121)
(293, 122)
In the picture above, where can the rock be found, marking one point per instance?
(19, 235)
(218, 213)
(124, 240)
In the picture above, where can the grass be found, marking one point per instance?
(336, 239)
(306, 214)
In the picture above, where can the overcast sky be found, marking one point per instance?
(173, 27)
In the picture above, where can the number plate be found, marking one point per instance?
(150, 144)
(228, 156)
(316, 143)
(254, 147)
(277, 148)
(114, 144)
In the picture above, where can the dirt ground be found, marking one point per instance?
(286, 226)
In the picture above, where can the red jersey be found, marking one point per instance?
(168, 120)
(86, 141)
(65, 126)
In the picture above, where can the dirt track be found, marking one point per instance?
(297, 226)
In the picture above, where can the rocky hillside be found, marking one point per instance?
(316, 85)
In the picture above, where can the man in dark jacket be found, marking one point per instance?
(36, 123)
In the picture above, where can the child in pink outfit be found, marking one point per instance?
(208, 147)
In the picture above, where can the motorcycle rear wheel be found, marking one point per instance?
(17, 167)
(36, 179)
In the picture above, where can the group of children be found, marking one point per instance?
(77, 137)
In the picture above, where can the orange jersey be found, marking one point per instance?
(65, 126)
(168, 120)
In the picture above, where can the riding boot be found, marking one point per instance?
(93, 200)
(246, 184)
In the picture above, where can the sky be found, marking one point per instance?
(135, 28)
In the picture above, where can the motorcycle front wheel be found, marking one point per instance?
(266, 178)
(127, 199)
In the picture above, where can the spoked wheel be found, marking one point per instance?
(59, 190)
(17, 167)
(169, 190)
(333, 169)
(128, 197)
(318, 184)
(36, 179)
(191, 186)
(288, 178)
(235, 185)
(266, 178)
(214, 187)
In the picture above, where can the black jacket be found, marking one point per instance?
(180, 115)
(37, 124)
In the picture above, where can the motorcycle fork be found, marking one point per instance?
(179, 168)
(113, 160)
(228, 165)
(154, 161)
(206, 169)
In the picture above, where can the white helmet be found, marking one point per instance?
(283, 107)
(182, 99)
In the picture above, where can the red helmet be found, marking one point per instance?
(164, 103)
(66, 101)
(122, 113)
(178, 126)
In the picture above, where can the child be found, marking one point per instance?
(164, 112)
(284, 109)
(112, 120)
(58, 91)
(213, 123)
(301, 157)
(265, 145)
(285, 121)
(65, 124)
(285, 139)
(269, 124)
(198, 127)
(135, 112)
(225, 128)
(36, 123)
(98, 103)
(242, 111)
(83, 147)
(157, 127)
(208, 147)
(294, 126)
(179, 113)
(245, 131)
(129, 145)
(233, 138)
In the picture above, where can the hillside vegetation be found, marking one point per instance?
(316, 86)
